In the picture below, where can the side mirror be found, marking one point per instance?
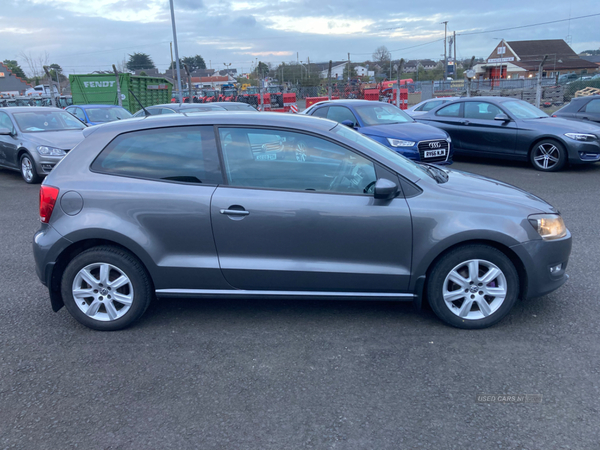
(5, 132)
(385, 189)
(502, 117)
(348, 123)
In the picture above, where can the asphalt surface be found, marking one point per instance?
(195, 374)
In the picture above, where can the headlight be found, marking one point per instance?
(549, 226)
(581, 136)
(50, 151)
(400, 143)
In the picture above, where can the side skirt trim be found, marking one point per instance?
(251, 293)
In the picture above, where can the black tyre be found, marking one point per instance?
(548, 156)
(28, 170)
(106, 288)
(473, 286)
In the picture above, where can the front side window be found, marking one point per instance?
(78, 112)
(183, 154)
(481, 110)
(5, 121)
(41, 121)
(277, 159)
(452, 110)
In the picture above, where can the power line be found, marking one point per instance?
(527, 26)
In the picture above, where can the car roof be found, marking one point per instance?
(242, 118)
(96, 106)
(14, 109)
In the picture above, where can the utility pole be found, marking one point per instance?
(445, 49)
(172, 60)
(119, 100)
(176, 51)
(187, 71)
(400, 64)
(348, 67)
(455, 65)
(329, 79)
(538, 92)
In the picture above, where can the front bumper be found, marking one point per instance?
(538, 257)
(45, 164)
(582, 152)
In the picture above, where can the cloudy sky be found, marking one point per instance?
(87, 35)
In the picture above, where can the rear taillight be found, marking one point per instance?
(48, 196)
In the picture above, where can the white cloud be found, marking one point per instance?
(319, 25)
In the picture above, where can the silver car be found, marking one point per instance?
(428, 105)
(198, 206)
(34, 139)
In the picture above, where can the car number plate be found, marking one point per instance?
(434, 153)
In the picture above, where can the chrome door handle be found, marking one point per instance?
(234, 212)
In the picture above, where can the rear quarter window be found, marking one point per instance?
(181, 154)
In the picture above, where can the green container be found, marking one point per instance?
(101, 89)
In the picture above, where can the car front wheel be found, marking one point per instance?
(548, 156)
(473, 286)
(28, 171)
(106, 288)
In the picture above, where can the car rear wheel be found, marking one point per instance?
(106, 288)
(548, 156)
(473, 286)
(28, 171)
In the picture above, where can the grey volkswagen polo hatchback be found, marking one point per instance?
(218, 205)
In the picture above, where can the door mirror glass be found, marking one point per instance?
(348, 123)
(385, 189)
(503, 117)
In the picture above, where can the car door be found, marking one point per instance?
(480, 134)
(8, 143)
(590, 111)
(448, 118)
(292, 225)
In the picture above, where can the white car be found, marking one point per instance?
(427, 105)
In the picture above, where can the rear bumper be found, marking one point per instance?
(538, 257)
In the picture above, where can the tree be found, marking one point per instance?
(143, 74)
(56, 70)
(353, 73)
(382, 56)
(193, 63)
(36, 64)
(14, 67)
(140, 61)
(262, 69)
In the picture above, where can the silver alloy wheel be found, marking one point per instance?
(546, 155)
(27, 168)
(474, 289)
(103, 292)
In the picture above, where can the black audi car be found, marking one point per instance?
(502, 127)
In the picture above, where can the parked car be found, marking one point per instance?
(33, 139)
(503, 127)
(171, 108)
(581, 108)
(428, 105)
(390, 126)
(185, 206)
(97, 114)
